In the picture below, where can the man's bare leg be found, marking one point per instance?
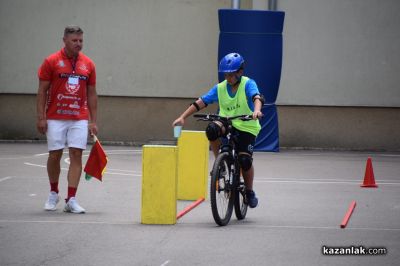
(53, 165)
(75, 167)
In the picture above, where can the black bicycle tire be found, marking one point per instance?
(222, 221)
(240, 206)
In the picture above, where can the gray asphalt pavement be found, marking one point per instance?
(303, 197)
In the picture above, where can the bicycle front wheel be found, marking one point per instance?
(240, 199)
(222, 189)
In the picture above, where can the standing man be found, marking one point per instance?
(66, 110)
(236, 95)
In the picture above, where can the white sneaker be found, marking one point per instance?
(52, 200)
(73, 206)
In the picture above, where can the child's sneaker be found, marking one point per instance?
(251, 198)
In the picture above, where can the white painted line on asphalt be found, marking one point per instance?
(31, 177)
(318, 182)
(134, 173)
(165, 263)
(43, 166)
(328, 153)
(122, 151)
(15, 158)
(66, 169)
(5, 178)
(121, 170)
(86, 153)
(111, 173)
(388, 155)
(251, 226)
(317, 179)
(32, 164)
(41, 154)
(65, 222)
(317, 227)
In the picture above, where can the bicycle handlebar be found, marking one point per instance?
(213, 117)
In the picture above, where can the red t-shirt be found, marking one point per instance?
(67, 96)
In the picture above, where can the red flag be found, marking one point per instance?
(97, 161)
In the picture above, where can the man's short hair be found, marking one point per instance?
(72, 29)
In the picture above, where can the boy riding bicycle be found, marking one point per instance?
(236, 95)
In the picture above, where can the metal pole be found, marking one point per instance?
(272, 5)
(235, 4)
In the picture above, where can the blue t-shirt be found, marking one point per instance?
(251, 89)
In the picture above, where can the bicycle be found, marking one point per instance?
(227, 187)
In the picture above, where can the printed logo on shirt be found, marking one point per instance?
(62, 96)
(61, 63)
(72, 84)
(75, 105)
(231, 108)
(72, 88)
(67, 112)
(83, 67)
(66, 75)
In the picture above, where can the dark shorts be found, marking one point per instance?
(245, 141)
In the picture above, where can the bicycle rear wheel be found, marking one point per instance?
(221, 189)
(240, 202)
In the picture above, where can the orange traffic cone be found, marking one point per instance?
(369, 179)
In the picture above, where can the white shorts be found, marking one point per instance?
(74, 133)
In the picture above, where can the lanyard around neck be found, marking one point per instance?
(72, 61)
(73, 64)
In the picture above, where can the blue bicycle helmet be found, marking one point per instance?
(230, 63)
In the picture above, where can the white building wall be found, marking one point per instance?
(341, 53)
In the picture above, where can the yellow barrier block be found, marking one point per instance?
(159, 184)
(193, 153)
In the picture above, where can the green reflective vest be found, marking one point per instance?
(237, 105)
